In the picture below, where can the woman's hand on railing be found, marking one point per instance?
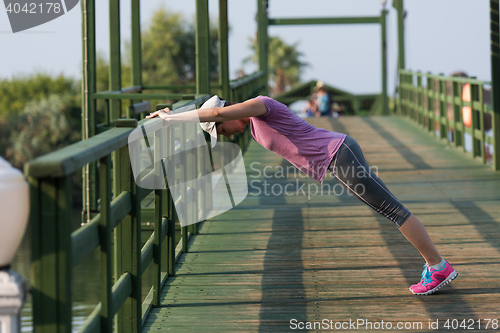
(160, 113)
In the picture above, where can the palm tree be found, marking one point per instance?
(285, 66)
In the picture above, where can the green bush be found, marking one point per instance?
(15, 93)
(44, 126)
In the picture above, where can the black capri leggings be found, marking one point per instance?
(350, 168)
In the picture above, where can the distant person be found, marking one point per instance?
(466, 110)
(322, 100)
(315, 152)
(309, 109)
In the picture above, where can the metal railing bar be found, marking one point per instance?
(324, 20)
(141, 107)
(126, 90)
(444, 78)
(113, 95)
(142, 193)
(70, 159)
(241, 82)
(121, 291)
(121, 206)
(170, 86)
(147, 253)
(164, 228)
(147, 305)
(93, 322)
(85, 239)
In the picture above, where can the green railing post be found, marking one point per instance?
(455, 86)
(202, 48)
(128, 240)
(158, 217)
(51, 254)
(114, 57)
(223, 49)
(495, 80)
(89, 63)
(442, 106)
(419, 100)
(184, 175)
(136, 49)
(399, 6)
(474, 123)
(262, 39)
(411, 99)
(407, 93)
(430, 102)
(136, 44)
(401, 92)
(385, 106)
(481, 122)
(167, 210)
(88, 101)
(461, 118)
(193, 174)
(409, 90)
(171, 215)
(157, 259)
(105, 229)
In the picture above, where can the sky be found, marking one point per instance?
(442, 36)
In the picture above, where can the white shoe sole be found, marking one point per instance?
(450, 278)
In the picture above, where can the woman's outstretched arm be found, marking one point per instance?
(250, 108)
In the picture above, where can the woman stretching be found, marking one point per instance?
(314, 151)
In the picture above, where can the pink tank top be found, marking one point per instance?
(308, 148)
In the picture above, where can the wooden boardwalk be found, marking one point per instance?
(275, 258)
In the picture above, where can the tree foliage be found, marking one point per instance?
(169, 50)
(15, 93)
(40, 113)
(44, 126)
(285, 64)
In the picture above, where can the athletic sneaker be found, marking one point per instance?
(433, 279)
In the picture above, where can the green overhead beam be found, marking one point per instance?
(324, 20)
(223, 49)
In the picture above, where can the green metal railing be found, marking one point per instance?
(139, 94)
(116, 229)
(435, 102)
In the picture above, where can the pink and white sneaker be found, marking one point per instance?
(433, 279)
